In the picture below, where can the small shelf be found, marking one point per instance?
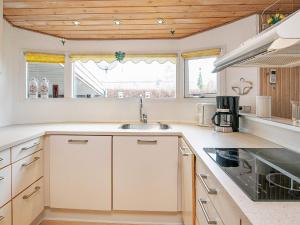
(274, 121)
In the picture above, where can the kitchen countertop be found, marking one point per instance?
(258, 213)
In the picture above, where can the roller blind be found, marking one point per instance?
(44, 57)
(148, 58)
(201, 53)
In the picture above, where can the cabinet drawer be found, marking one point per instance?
(26, 171)
(205, 210)
(226, 208)
(29, 204)
(5, 185)
(22, 150)
(5, 214)
(4, 158)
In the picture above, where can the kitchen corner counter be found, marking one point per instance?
(258, 213)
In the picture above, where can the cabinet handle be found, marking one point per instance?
(71, 141)
(36, 189)
(2, 218)
(209, 190)
(26, 148)
(34, 160)
(184, 151)
(208, 220)
(1, 178)
(147, 142)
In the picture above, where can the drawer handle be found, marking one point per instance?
(207, 218)
(2, 218)
(147, 142)
(209, 190)
(185, 151)
(36, 189)
(72, 141)
(34, 160)
(1, 178)
(26, 148)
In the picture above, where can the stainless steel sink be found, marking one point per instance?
(144, 126)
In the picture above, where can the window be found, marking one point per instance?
(153, 76)
(200, 81)
(48, 67)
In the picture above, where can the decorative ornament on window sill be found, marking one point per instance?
(243, 87)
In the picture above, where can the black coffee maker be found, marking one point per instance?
(226, 118)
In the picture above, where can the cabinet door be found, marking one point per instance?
(145, 173)
(80, 172)
(188, 195)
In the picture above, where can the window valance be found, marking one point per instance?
(136, 58)
(201, 53)
(44, 57)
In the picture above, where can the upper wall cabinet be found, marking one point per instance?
(145, 173)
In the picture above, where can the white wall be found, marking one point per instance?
(180, 109)
(5, 75)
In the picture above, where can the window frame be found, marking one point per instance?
(176, 93)
(186, 80)
(25, 67)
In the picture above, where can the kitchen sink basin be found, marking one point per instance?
(144, 126)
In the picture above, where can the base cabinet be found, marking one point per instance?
(28, 204)
(145, 173)
(5, 214)
(80, 172)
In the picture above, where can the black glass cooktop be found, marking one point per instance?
(264, 174)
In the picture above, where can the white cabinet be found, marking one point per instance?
(4, 158)
(5, 185)
(28, 204)
(26, 171)
(5, 214)
(80, 172)
(25, 149)
(188, 195)
(145, 173)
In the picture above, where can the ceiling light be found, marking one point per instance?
(76, 23)
(160, 21)
(117, 22)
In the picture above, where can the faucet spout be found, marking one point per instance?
(143, 116)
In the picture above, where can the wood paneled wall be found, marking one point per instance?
(287, 88)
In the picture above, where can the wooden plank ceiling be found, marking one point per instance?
(138, 18)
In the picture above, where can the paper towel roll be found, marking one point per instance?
(264, 106)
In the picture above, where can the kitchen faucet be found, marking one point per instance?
(143, 116)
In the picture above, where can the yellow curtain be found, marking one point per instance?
(130, 57)
(201, 53)
(44, 57)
